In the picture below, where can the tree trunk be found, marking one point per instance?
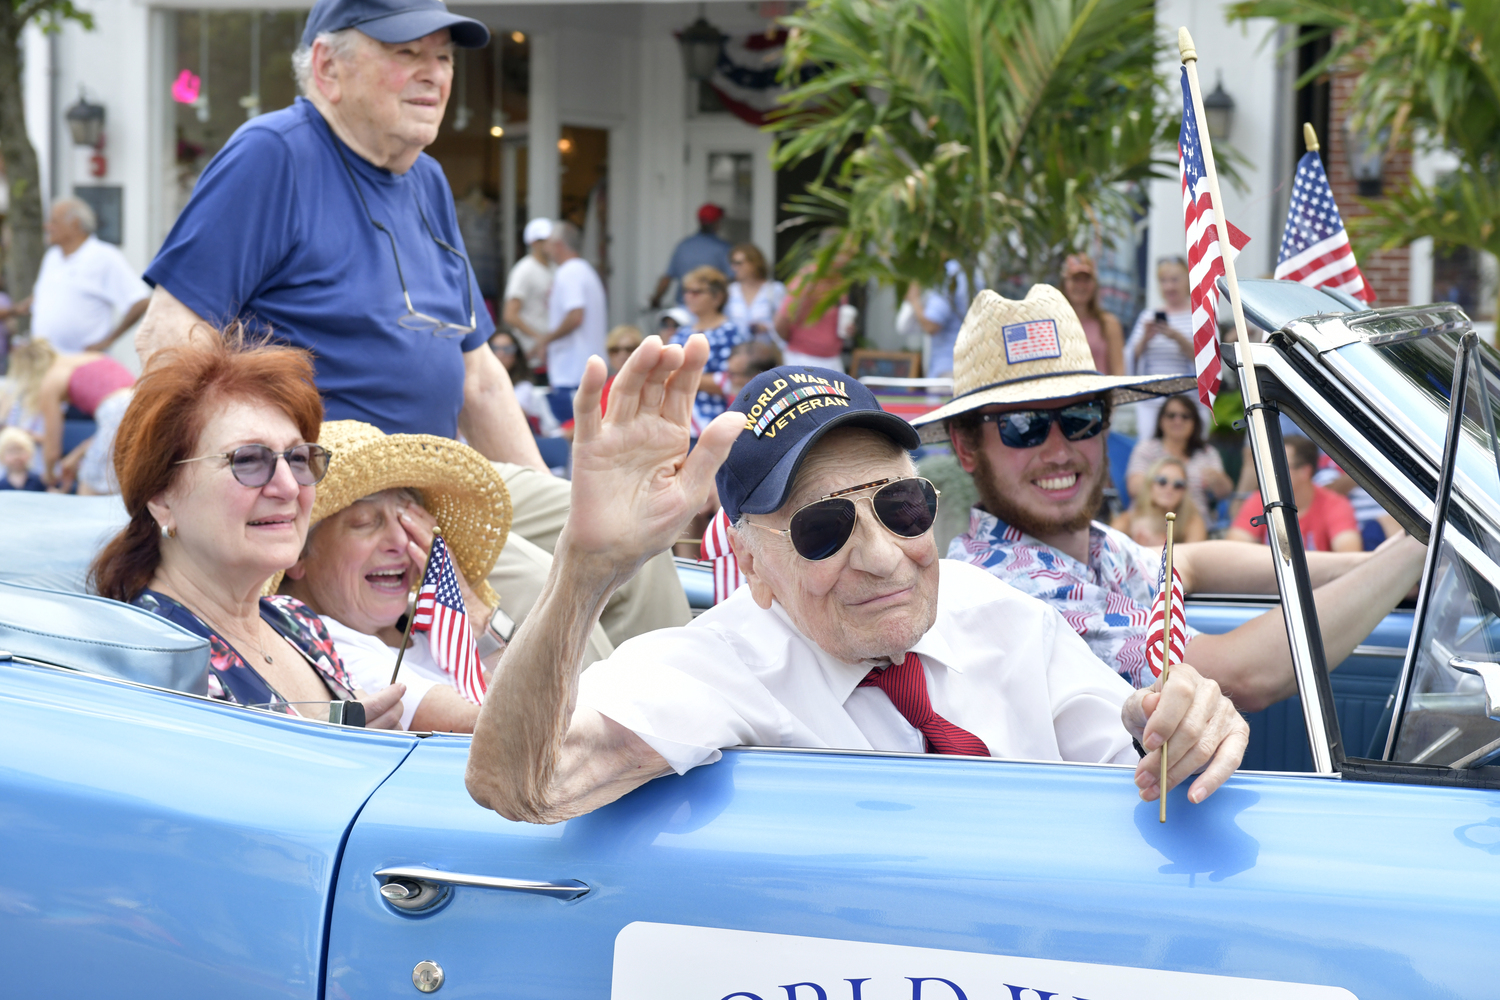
(26, 242)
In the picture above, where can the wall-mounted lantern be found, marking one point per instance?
(700, 43)
(86, 122)
(1218, 108)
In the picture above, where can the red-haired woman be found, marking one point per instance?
(217, 466)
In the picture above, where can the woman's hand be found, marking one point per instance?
(383, 710)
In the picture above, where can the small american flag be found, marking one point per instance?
(1205, 262)
(1314, 246)
(727, 575)
(1030, 341)
(1154, 625)
(440, 612)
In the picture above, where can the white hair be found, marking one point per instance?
(340, 43)
(80, 212)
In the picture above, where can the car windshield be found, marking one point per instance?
(1414, 375)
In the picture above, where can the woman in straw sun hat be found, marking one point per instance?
(1025, 368)
(372, 526)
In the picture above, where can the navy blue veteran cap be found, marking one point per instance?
(787, 410)
(394, 21)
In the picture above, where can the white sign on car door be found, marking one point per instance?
(676, 962)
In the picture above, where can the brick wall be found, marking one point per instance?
(1389, 273)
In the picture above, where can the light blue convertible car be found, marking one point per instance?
(156, 843)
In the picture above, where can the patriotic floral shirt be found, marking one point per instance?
(232, 678)
(1108, 602)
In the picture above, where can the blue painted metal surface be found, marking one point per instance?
(155, 844)
(1386, 890)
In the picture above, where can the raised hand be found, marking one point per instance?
(635, 486)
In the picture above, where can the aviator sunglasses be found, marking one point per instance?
(1029, 428)
(253, 465)
(907, 507)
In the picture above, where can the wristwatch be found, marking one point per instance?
(497, 633)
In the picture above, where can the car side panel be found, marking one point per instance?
(155, 844)
(1388, 891)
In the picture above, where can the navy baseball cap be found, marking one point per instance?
(787, 410)
(394, 21)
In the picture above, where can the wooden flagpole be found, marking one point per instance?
(411, 607)
(1166, 651)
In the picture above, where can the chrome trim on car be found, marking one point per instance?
(564, 889)
(1389, 326)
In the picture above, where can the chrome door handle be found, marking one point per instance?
(1487, 672)
(422, 888)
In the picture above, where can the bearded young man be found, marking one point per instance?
(1028, 422)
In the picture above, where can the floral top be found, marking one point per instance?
(722, 341)
(1108, 602)
(230, 675)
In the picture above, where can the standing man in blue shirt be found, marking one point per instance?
(704, 248)
(326, 224)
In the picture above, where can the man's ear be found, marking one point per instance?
(325, 73)
(960, 442)
(760, 590)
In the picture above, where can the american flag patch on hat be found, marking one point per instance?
(1031, 341)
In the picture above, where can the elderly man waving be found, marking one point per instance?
(851, 633)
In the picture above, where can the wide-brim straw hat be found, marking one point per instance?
(1031, 351)
(459, 488)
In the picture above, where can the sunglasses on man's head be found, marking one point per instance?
(1029, 428)
(907, 507)
(253, 465)
(1176, 484)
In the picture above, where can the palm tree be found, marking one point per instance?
(996, 133)
(1430, 74)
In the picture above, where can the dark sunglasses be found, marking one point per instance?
(907, 507)
(1029, 428)
(1176, 484)
(253, 465)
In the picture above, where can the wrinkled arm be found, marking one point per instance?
(535, 758)
(444, 710)
(491, 420)
(167, 323)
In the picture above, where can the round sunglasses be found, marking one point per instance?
(1029, 428)
(253, 465)
(1176, 484)
(906, 507)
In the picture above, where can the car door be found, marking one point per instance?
(155, 844)
(1370, 888)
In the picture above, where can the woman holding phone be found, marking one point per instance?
(1161, 343)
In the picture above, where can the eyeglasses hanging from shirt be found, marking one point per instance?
(413, 320)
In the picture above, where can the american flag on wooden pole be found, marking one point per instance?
(1205, 261)
(1314, 246)
(440, 612)
(1154, 624)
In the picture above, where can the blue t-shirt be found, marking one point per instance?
(947, 309)
(275, 235)
(696, 251)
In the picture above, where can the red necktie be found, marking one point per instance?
(906, 686)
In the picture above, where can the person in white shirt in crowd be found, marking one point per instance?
(754, 296)
(1161, 342)
(528, 286)
(577, 318)
(533, 398)
(86, 294)
(852, 633)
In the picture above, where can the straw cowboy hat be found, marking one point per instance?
(1028, 352)
(459, 487)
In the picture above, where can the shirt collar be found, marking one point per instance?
(997, 534)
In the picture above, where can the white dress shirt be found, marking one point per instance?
(575, 285)
(78, 296)
(370, 662)
(1000, 664)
